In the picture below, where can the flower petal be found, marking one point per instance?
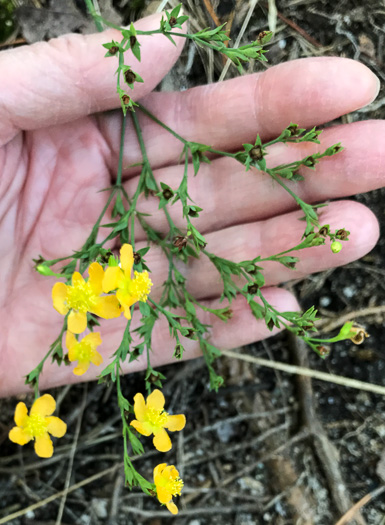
(77, 322)
(162, 441)
(96, 358)
(56, 426)
(77, 279)
(163, 495)
(96, 273)
(21, 412)
(126, 258)
(171, 472)
(175, 423)
(172, 507)
(73, 353)
(125, 299)
(140, 428)
(43, 406)
(19, 436)
(93, 339)
(59, 295)
(158, 472)
(139, 407)
(107, 307)
(44, 446)
(156, 400)
(127, 312)
(82, 368)
(110, 279)
(70, 340)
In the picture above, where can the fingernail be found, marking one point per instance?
(376, 88)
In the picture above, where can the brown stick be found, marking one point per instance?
(297, 28)
(212, 13)
(356, 507)
(325, 450)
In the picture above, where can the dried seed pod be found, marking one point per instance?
(129, 76)
(358, 335)
(113, 50)
(180, 242)
(256, 153)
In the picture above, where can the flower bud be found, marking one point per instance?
(113, 50)
(336, 246)
(44, 270)
(172, 21)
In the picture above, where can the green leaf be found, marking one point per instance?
(136, 445)
(136, 51)
(170, 38)
(174, 12)
(123, 403)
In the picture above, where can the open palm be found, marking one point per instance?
(59, 145)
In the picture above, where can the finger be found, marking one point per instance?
(69, 77)
(230, 195)
(236, 243)
(241, 329)
(266, 238)
(308, 92)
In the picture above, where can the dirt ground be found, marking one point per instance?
(269, 447)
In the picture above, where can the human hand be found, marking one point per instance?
(59, 146)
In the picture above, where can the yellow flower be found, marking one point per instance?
(38, 425)
(82, 297)
(84, 351)
(152, 419)
(129, 291)
(168, 484)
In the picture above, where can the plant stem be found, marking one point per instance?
(160, 123)
(97, 18)
(118, 182)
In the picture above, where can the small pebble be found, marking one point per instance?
(325, 301)
(349, 291)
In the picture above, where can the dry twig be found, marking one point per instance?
(315, 374)
(363, 501)
(324, 449)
